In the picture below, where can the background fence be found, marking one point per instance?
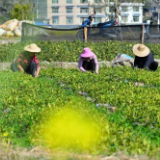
(133, 33)
(59, 45)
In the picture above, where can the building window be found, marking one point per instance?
(69, 1)
(69, 10)
(69, 20)
(125, 18)
(98, 10)
(83, 1)
(83, 10)
(55, 20)
(55, 10)
(124, 9)
(54, 1)
(135, 9)
(97, 19)
(97, 1)
(135, 18)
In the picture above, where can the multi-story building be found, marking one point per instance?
(73, 12)
(68, 12)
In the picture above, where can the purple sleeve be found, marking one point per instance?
(96, 63)
(80, 65)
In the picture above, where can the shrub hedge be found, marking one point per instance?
(70, 51)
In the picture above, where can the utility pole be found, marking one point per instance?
(33, 10)
(157, 8)
(158, 15)
(106, 7)
(88, 8)
(37, 8)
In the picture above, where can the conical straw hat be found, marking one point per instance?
(141, 50)
(32, 48)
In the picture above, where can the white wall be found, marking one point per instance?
(131, 12)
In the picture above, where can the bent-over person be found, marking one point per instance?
(144, 58)
(88, 61)
(27, 61)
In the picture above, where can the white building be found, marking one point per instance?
(131, 13)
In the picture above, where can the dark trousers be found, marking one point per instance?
(31, 69)
(153, 66)
(89, 65)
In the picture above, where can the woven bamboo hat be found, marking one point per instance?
(141, 50)
(32, 48)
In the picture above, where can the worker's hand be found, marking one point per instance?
(36, 75)
(23, 71)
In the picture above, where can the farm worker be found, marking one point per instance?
(89, 20)
(88, 61)
(27, 61)
(144, 58)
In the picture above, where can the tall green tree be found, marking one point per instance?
(21, 11)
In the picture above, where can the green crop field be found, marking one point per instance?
(52, 110)
(83, 113)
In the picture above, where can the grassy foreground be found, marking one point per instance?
(59, 111)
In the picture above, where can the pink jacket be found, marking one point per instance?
(80, 63)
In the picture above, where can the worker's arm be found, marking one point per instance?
(96, 63)
(20, 67)
(80, 65)
(37, 72)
